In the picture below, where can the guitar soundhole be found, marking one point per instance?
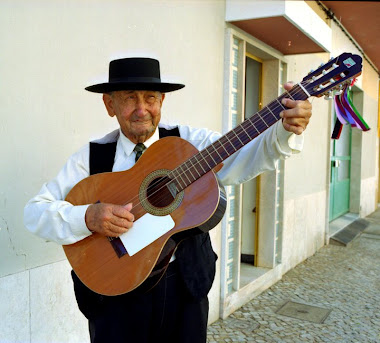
(158, 192)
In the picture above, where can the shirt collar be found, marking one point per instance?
(128, 146)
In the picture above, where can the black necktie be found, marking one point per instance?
(139, 148)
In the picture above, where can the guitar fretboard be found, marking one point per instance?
(207, 159)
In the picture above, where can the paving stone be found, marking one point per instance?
(343, 279)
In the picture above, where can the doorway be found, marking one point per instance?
(340, 174)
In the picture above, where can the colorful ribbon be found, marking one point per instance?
(346, 113)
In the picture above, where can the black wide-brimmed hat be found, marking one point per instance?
(135, 73)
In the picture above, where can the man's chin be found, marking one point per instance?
(143, 133)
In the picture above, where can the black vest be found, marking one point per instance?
(195, 256)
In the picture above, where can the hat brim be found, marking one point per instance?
(123, 86)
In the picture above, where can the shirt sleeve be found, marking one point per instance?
(49, 216)
(259, 155)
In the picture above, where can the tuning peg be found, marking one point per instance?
(324, 72)
(329, 95)
(335, 65)
(311, 71)
(320, 87)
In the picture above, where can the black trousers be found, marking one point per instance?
(167, 313)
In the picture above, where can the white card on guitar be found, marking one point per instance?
(144, 231)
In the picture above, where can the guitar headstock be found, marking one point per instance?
(333, 75)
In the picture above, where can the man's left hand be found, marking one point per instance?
(296, 118)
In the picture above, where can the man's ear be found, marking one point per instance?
(108, 102)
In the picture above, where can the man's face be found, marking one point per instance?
(138, 112)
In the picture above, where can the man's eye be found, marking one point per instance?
(131, 97)
(151, 98)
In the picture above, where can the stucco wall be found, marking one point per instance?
(305, 176)
(305, 173)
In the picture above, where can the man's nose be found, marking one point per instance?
(140, 106)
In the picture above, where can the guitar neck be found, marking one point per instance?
(207, 159)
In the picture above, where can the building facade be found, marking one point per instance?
(233, 56)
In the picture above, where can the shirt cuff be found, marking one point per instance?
(288, 142)
(77, 221)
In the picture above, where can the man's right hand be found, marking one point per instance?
(109, 220)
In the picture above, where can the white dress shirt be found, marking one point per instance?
(49, 216)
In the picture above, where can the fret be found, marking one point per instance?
(242, 126)
(196, 157)
(290, 95)
(222, 145)
(210, 155)
(193, 167)
(181, 183)
(258, 113)
(238, 138)
(182, 179)
(184, 173)
(284, 108)
(235, 142)
(230, 141)
(223, 142)
(221, 158)
(172, 176)
(272, 114)
(189, 170)
(250, 121)
(243, 135)
(204, 158)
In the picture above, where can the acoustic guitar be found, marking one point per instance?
(174, 180)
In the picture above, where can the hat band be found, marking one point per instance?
(136, 79)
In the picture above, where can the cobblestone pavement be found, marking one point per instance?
(345, 280)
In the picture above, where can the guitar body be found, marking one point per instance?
(200, 206)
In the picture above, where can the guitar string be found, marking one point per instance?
(240, 127)
(257, 119)
(258, 124)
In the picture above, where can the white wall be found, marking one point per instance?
(306, 175)
(50, 50)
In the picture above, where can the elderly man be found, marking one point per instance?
(176, 309)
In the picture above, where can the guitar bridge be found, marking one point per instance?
(118, 246)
